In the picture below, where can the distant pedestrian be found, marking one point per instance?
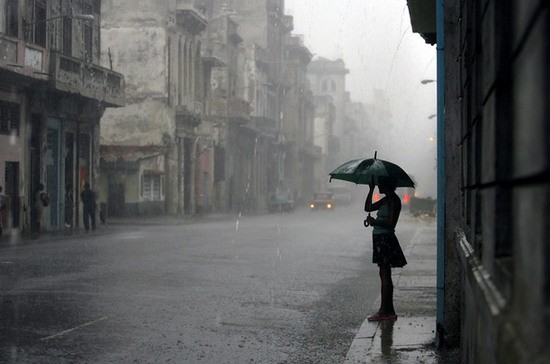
(2, 208)
(41, 201)
(89, 205)
(69, 205)
(387, 252)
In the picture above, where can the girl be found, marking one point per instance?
(387, 252)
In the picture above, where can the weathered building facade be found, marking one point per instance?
(358, 136)
(324, 139)
(263, 26)
(158, 48)
(297, 121)
(53, 93)
(328, 77)
(212, 97)
(228, 109)
(496, 301)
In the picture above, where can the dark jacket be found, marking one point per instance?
(88, 199)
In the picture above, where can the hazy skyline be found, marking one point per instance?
(375, 40)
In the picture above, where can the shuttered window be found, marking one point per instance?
(9, 118)
(151, 187)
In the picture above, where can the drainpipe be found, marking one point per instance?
(440, 27)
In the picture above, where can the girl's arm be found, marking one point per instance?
(369, 205)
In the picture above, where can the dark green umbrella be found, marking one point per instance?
(363, 171)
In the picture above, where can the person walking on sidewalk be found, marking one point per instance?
(88, 210)
(41, 201)
(2, 208)
(387, 252)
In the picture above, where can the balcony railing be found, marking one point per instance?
(238, 110)
(266, 125)
(26, 59)
(69, 74)
(186, 116)
(232, 109)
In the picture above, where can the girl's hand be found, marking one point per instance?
(371, 220)
(371, 183)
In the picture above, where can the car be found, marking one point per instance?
(281, 202)
(322, 201)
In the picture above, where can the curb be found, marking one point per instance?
(362, 344)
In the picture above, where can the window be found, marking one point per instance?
(180, 63)
(9, 118)
(12, 17)
(88, 35)
(88, 43)
(67, 36)
(151, 187)
(40, 24)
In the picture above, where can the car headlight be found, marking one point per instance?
(329, 205)
(312, 206)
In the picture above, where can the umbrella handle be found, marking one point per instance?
(365, 222)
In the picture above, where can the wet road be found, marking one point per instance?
(278, 288)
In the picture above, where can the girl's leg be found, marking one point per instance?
(386, 311)
(386, 307)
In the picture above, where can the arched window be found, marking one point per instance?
(180, 62)
(188, 66)
(198, 72)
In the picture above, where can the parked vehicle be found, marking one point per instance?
(322, 201)
(281, 202)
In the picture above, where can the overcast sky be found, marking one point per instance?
(375, 40)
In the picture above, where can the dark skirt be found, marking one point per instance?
(386, 251)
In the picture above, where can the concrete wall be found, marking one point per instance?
(498, 186)
(135, 41)
(137, 124)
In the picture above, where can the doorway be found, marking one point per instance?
(11, 184)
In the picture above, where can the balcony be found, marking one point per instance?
(69, 74)
(232, 109)
(238, 110)
(189, 116)
(266, 125)
(190, 16)
(23, 61)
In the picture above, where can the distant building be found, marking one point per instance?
(157, 46)
(328, 77)
(53, 93)
(135, 177)
(324, 139)
(256, 149)
(358, 136)
(297, 121)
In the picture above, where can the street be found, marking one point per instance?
(275, 288)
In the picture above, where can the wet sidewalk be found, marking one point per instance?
(10, 237)
(410, 339)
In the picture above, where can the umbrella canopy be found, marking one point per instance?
(363, 171)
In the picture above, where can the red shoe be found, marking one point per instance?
(382, 317)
